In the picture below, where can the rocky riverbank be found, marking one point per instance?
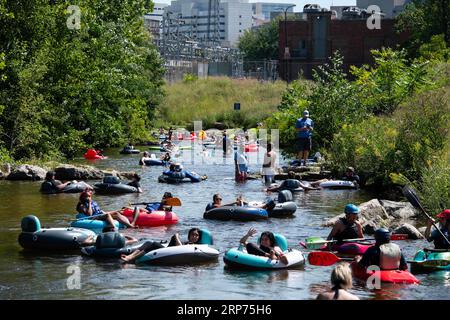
(64, 172)
(401, 217)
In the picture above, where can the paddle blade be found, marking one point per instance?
(315, 243)
(399, 236)
(411, 195)
(322, 258)
(172, 202)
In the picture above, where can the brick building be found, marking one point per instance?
(310, 42)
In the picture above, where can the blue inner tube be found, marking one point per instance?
(236, 213)
(113, 188)
(240, 259)
(92, 224)
(179, 177)
(47, 188)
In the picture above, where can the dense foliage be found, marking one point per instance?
(63, 88)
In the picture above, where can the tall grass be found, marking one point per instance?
(211, 100)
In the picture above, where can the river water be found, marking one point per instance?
(25, 276)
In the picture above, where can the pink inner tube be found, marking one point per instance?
(153, 219)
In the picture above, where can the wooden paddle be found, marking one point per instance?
(172, 202)
(412, 197)
(324, 258)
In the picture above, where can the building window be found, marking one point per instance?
(240, 30)
(240, 23)
(240, 16)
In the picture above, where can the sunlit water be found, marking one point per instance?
(25, 276)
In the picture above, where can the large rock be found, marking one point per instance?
(69, 172)
(27, 172)
(400, 210)
(410, 230)
(372, 209)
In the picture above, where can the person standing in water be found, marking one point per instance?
(304, 127)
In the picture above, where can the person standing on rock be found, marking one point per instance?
(348, 227)
(435, 236)
(304, 127)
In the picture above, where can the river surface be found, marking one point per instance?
(25, 276)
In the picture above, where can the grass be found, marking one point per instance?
(211, 100)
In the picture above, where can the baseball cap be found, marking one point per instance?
(306, 113)
(444, 214)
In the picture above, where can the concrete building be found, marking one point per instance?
(263, 10)
(153, 20)
(308, 43)
(212, 21)
(390, 8)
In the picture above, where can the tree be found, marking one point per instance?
(423, 19)
(261, 43)
(70, 88)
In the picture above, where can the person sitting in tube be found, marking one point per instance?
(89, 207)
(145, 157)
(267, 247)
(193, 238)
(160, 206)
(217, 202)
(165, 157)
(50, 184)
(135, 182)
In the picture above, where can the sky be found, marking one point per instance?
(300, 4)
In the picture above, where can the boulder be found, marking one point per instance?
(70, 172)
(372, 209)
(27, 172)
(410, 230)
(400, 210)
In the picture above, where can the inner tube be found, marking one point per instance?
(179, 177)
(238, 213)
(253, 147)
(113, 188)
(33, 237)
(91, 154)
(240, 259)
(93, 251)
(183, 255)
(92, 224)
(129, 151)
(155, 162)
(47, 188)
(338, 184)
(388, 276)
(429, 260)
(154, 219)
(292, 185)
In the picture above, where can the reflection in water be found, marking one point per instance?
(44, 276)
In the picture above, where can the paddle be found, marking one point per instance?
(324, 258)
(412, 197)
(315, 243)
(172, 202)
